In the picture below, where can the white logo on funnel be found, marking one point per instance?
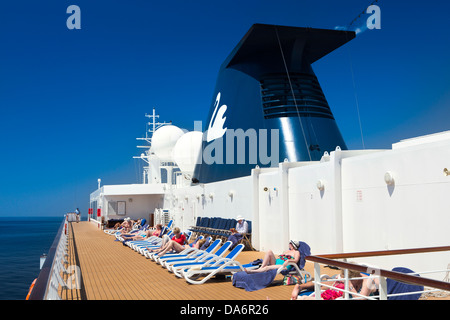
(216, 130)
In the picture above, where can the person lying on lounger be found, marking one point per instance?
(361, 283)
(127, 226)
(174, 244)
(178, 237)
(146, 234)
(270, 261)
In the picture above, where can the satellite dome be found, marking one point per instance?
(186, 151)
(164, 140)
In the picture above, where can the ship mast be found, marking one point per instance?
(151, 173)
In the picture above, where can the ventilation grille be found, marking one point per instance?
(278, 98)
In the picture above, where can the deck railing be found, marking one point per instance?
(50, 279)
(375, 273)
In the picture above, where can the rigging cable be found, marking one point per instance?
(293, 94)
(356, 100)
(353, 78)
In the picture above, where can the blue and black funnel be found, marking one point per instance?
(267, 86)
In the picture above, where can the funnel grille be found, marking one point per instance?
(278, 98)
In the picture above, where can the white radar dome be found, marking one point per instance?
(164, 140)
(186, 151)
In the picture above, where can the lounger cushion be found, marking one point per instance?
(399, 287)
(253, 281)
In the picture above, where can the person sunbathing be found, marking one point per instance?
(360, 283)
(142, 236)
(270, 261)
(126, 227)
(177, 244)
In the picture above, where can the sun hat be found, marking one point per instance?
(239, 217)
(295, 244)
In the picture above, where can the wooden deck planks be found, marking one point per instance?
(111, 271)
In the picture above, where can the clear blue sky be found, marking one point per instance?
(72, 102)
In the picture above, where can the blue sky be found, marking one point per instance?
(72, 102)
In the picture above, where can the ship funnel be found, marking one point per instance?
(268, 105)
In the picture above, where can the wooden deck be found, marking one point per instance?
(111, 271)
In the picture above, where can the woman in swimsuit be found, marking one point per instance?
(144, 235)
(270, 261)
(177, 244)
(361, 284)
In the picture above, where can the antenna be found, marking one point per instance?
(154, 125)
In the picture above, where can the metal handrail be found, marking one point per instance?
(328, 259)
(383, 253)
(43, 280)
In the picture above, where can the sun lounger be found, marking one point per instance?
(186, 252)
(177, 255)
(292, 268)
(225, 266)
(168, 262)
(205, 260)
(395, 288)
(155, 255)
(152, 240)
(146, 250)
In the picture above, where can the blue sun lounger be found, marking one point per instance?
(184, 271)
(153, 240)
(146, 250)
(224, 266)
(168, 262)
(205, 260)
(137, 243)
(186, 252)
(182, 254)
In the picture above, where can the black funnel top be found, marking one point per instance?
(301, 47)
(267, 85)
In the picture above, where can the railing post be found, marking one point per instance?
(383, 288)
(317, 280)
(346, 281)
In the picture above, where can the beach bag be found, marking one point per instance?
(291, 279)
(331, 294)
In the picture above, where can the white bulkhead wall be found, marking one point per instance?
(341, 204)
(269, 213)
(136, 206)
(301, 201)
(407, 210)
(224, 199)
(315, 214)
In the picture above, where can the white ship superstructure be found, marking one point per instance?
(349, 201)
(341, 201)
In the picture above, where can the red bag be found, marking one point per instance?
(331, 294)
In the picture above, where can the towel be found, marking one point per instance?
(399, 287)
(253, 281)
(206, 244)
(305, 251)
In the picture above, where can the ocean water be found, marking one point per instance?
(22, 241)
